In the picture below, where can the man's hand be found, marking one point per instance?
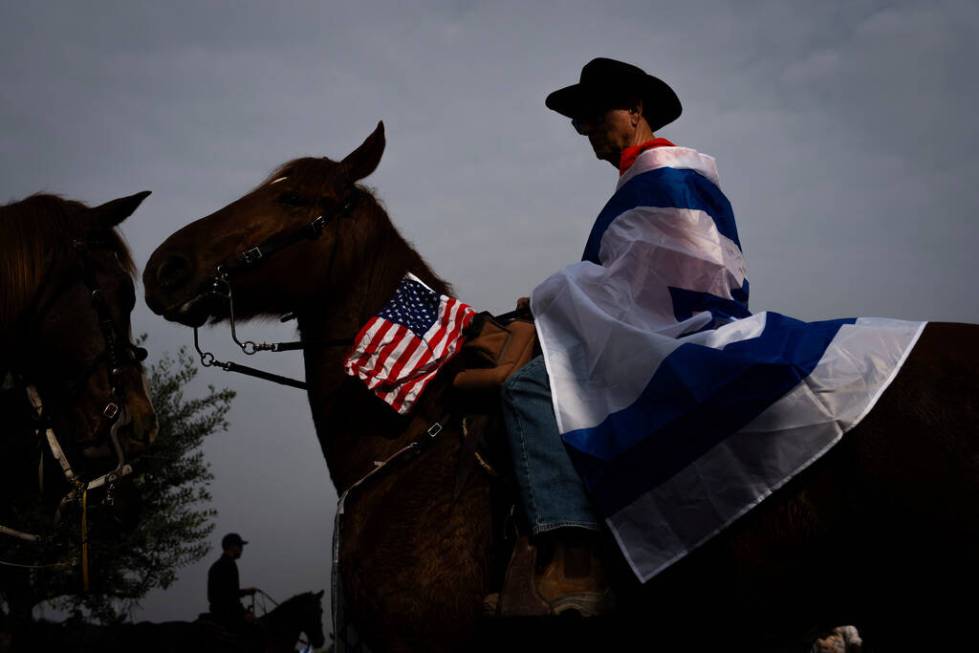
(523, 304)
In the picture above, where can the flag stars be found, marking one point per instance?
(413, 306)
(401, 349)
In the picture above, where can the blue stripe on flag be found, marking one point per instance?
(688, 302)
(664, 187)
(697, 396)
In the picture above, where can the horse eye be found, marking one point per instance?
(292, 199)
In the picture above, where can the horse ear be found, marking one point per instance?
(363, 161)
(320, 594)
(110, 214)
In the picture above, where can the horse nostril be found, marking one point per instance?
(150, 429)
(173, 272)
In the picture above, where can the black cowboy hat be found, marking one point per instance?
(605, 82)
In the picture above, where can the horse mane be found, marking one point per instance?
(312, 175)
(33, 232)
(296, 598)
(285, 609)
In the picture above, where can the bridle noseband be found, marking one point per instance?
(219, 285)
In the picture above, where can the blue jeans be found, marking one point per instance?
(551, 493)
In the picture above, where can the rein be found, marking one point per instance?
(220, 286)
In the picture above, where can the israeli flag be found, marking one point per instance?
(680, 409)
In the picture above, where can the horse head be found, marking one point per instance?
(183, 277)
(302, 613)
(65, 330)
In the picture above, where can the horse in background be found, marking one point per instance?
(869, 534)
(68, 371)
(276, 632)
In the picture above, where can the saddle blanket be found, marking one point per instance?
(680, 409)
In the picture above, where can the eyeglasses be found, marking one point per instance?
(584, 124)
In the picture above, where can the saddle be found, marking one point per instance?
(496, 348)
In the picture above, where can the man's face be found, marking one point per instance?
(233, 550)
(609, 131)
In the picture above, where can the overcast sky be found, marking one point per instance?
(845, 134)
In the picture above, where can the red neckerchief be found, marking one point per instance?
(631, 153)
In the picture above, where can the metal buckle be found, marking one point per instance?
(111, 410)
(317, 225)
(434, 429)
(252, 255)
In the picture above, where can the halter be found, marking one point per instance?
(219, 285)
(80, 486)
(114, 410)
(115, 346)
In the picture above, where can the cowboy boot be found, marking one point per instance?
(569, 577)
(519, 597)
(574, 578)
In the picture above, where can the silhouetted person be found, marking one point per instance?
(223, 592)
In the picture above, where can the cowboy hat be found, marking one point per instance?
(604, 82)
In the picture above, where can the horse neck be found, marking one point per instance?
(282, 628)
(353, 428)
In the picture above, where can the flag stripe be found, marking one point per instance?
(406, 356)
(375, 342)
(400, 350)
(387, 353)
(665, 187)
(366, 334)
(657, 529)
(672, 157)
(410, 391)
(695, 398)
(439, 337)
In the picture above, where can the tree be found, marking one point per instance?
(175, 518)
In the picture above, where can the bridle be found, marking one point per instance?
(117, 354)
(219, 285)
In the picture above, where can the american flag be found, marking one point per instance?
(401, 348)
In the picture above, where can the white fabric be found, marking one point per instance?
(606, 329)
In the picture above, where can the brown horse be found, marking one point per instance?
(68, 290)
(868, 535)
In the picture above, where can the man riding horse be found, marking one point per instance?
(653, 368)
(223, 589)
(678, 408)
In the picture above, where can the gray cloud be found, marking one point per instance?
(844, 134)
